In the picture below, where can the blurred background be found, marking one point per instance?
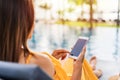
(59, 23)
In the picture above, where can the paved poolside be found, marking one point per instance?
(109, 68)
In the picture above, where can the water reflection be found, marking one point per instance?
(103, 42)
(116, 53)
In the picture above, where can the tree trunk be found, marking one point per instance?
(91, 14)
(118, 21)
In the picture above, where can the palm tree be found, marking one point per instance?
(91, 14)
(46, 7)
(61, 14)
(90, 3)
(118, 13)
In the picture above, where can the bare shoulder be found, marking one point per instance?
(44, 62)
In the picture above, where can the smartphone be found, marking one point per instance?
(81, 42)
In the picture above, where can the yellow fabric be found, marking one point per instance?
(87, 72)
(64, 72)
(28, 59)
(60, 73)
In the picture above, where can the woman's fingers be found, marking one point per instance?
(61, 53)
(83, 51)
(82, 54)
(64, 56)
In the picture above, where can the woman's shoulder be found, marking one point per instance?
(40, 56)
(43, 61)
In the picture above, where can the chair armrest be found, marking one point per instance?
(14, 71)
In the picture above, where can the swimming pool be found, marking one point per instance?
(103, 41)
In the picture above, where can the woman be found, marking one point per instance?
(16, 26)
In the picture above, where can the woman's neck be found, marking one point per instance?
(22, 59)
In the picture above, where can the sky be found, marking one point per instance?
(107, 6)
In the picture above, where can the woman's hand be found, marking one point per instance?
(61, 53)
(81, 56)
(77, 68)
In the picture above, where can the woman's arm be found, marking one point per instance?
(77, 68)
(44, 63)
(77, 71)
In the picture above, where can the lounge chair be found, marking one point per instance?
(14, 71)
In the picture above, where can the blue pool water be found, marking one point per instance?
(104, 43)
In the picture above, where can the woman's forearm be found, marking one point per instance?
(77, 73)
(77, 68)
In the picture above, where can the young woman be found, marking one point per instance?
(16, 26)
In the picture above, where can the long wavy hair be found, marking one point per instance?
(16, 22)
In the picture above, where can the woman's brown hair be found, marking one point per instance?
(16, 21)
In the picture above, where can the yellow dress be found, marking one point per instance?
(64, 72)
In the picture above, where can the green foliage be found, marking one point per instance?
(70, 9)
(60, 12)
(45, 6)
(81, 2)
(86, 24)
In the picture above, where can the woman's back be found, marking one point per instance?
(16, 26)
(43, 61)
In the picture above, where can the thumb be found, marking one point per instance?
(83, 51)
(82, 54)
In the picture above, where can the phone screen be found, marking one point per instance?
(81, 42)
